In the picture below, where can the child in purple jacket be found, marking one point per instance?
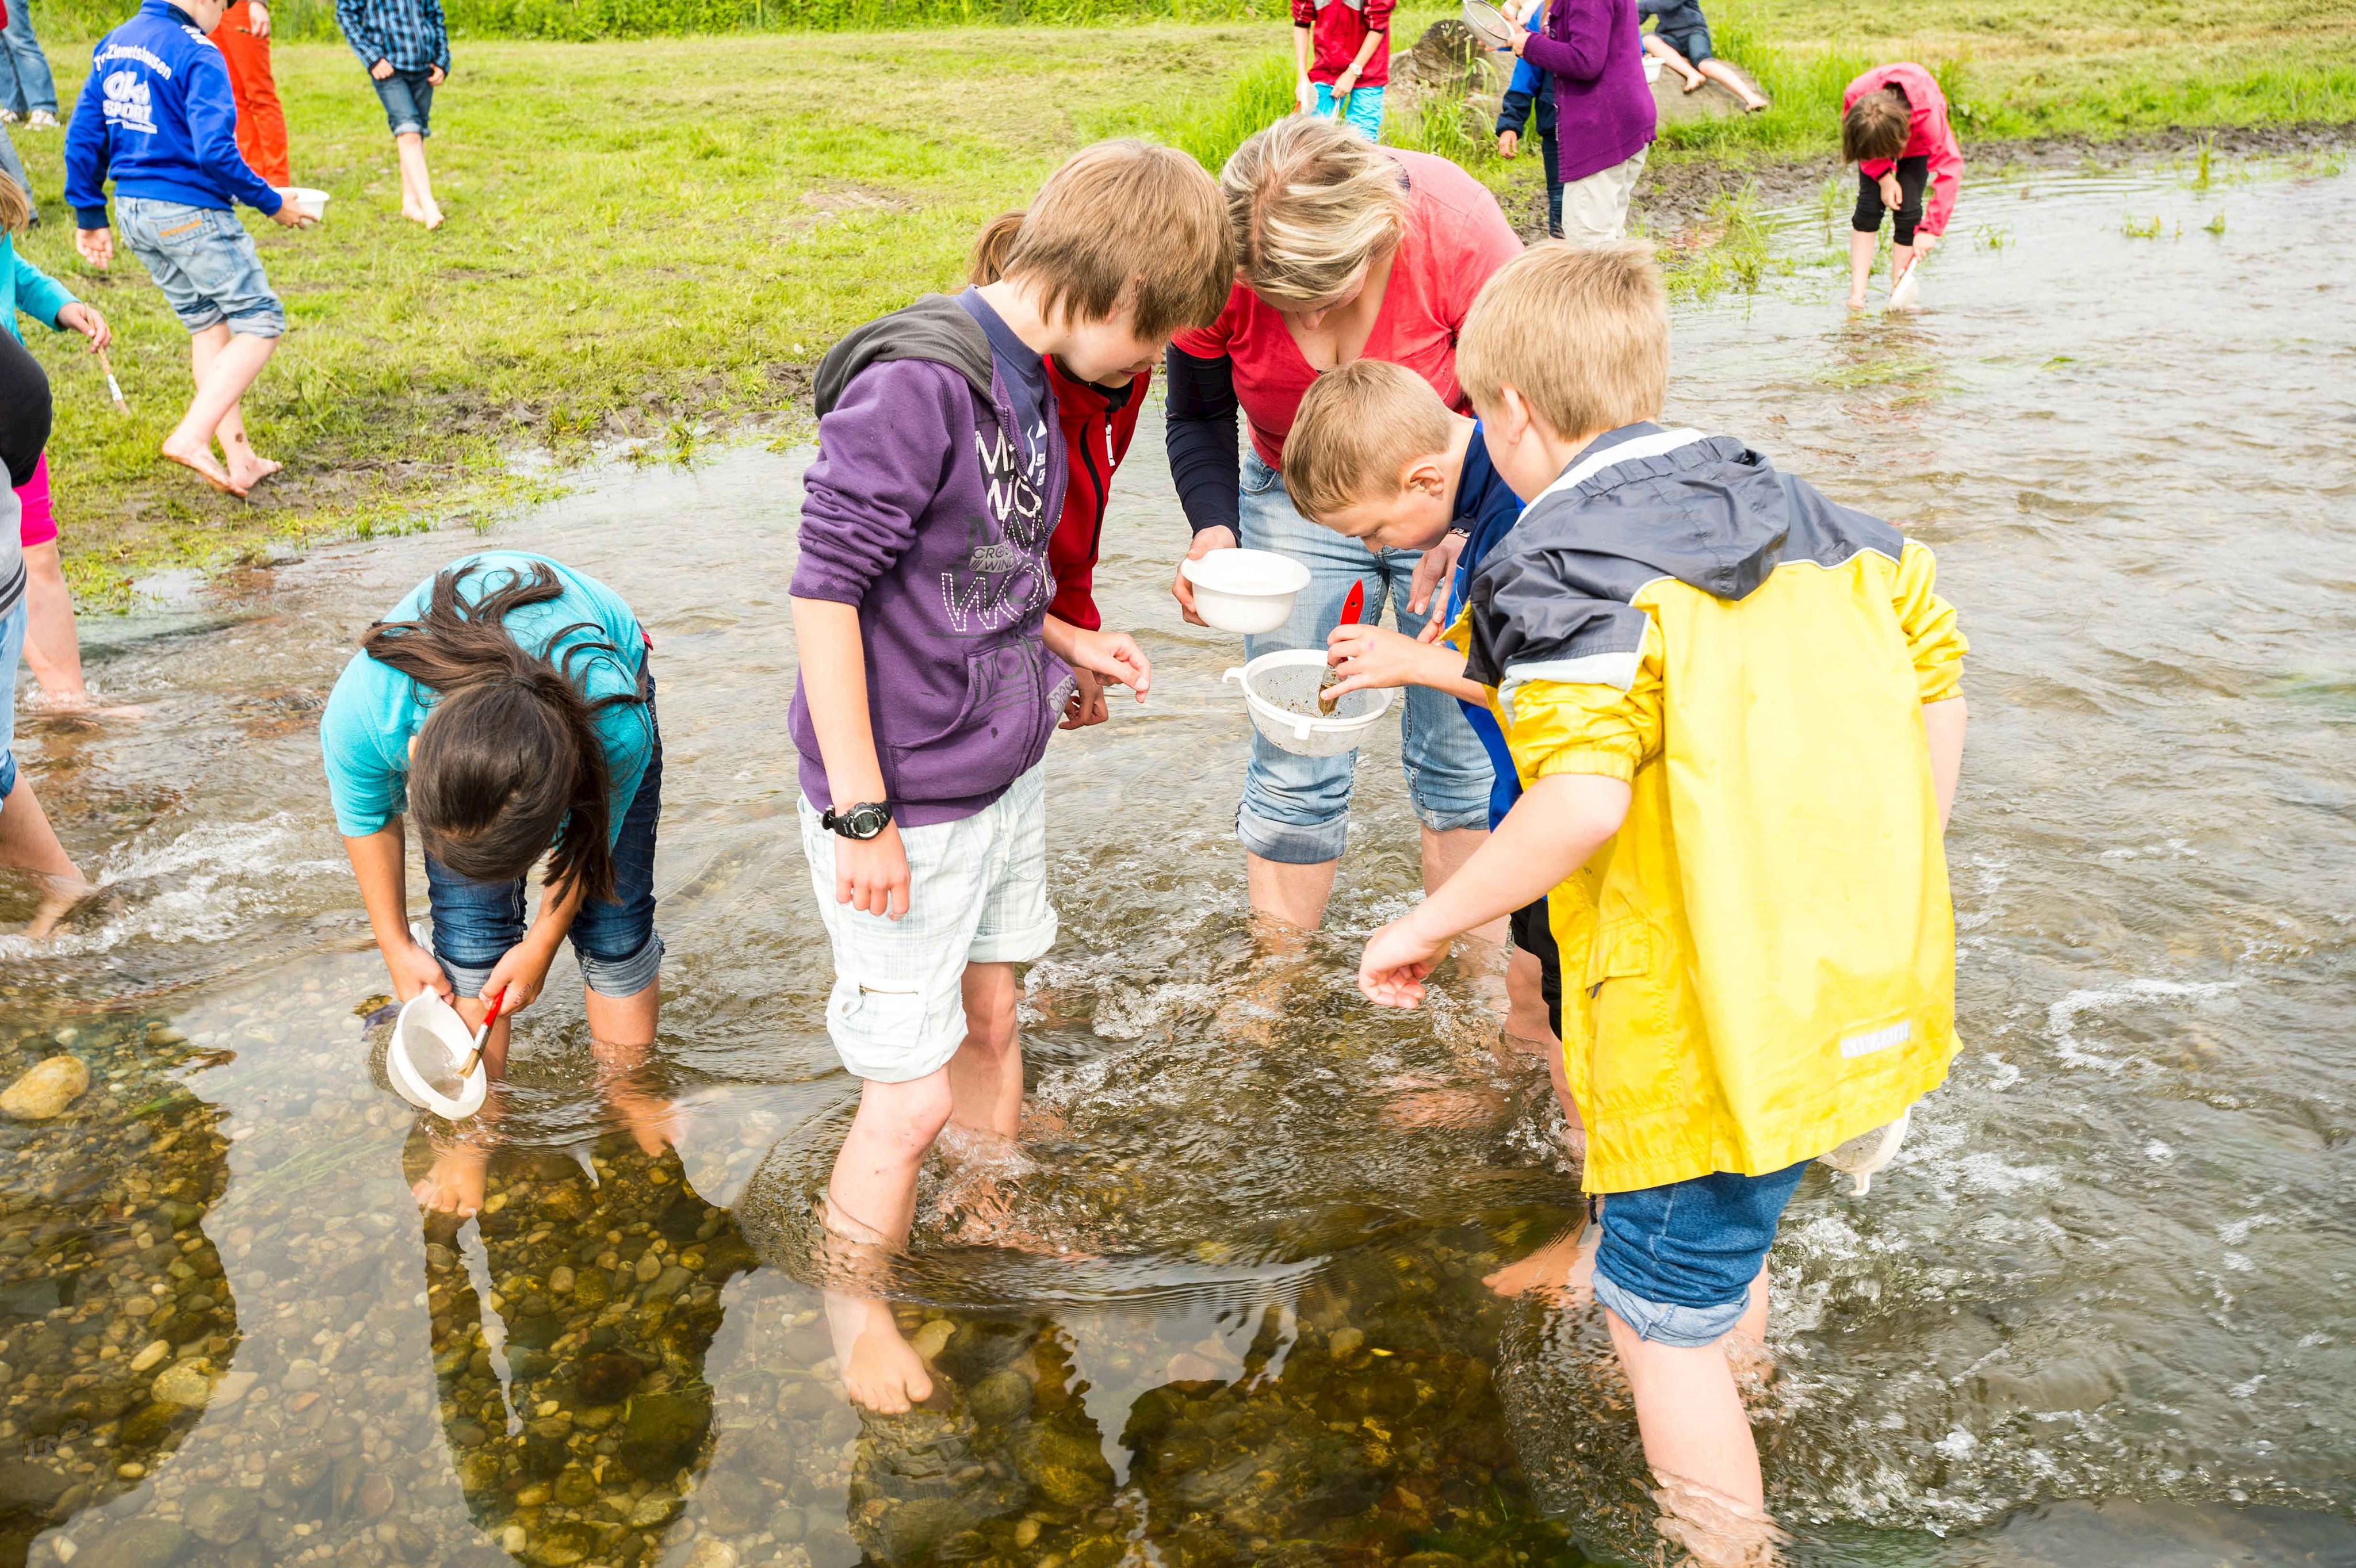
(932, 677)
(1602, 106)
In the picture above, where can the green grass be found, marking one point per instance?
(582, 21)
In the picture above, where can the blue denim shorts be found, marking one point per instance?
(408, 100)
(205, 262)
(12, 649)
(1296, 809)
(475, 923)
(1691, 42)
(1675, 1262)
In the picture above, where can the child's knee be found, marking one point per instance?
(993, 1019)
(909, 1115)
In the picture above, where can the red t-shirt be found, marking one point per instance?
(1456, 237)
(1337, 30)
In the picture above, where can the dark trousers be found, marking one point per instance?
(1912, 175)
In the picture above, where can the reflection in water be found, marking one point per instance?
(2092, 1317)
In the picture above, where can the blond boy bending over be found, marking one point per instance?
(1736, 709)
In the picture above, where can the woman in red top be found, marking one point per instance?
(1348, 251)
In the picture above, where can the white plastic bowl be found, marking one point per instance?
(1902, 296)
(1245, 590)
(428, 1042)
(1653, 64)
(1280, 690)
(310, 203)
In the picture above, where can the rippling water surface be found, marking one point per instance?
(2097, 1314)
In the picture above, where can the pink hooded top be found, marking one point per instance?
(1928, 135)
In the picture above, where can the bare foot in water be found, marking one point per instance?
(198, 460)
(455, 1184)
(1564, 1269)
(880, 1371)
(61, 896)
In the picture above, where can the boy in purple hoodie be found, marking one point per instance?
(932, 676)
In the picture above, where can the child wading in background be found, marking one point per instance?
(1680, 40)
(406, 46)
(1894, 129)
(1341, 49)
(50, 644)
(1099, 420)
(243, 39)
(1736, 709)
(1531, 95)
(924, 565)
(161, 124)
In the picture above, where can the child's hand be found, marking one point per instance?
(1392, 969)
(1435, 565)
(289, 216)
(260, 26)
(1892, 196)
(435, 76)
(1085, 705)
(521, 970)
(382, 70)
(87, 322)
(872, 875)
(413, 970)
(1508, 143)
(1304, 95)
(1115, 656)
(1369, 657)
(1923, 245)
(96, 245)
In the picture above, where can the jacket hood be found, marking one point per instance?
(1705, 509)
(936, 328)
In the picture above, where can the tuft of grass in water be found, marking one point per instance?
(1734, 251)
(1993, 236)
(2216, 225)
(2142, 227)
(2200, 164)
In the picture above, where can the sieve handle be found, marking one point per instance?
(1234, 675)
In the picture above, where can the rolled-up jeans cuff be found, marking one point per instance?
(1293, 843)
(1448, 822)
(620, 977)
(1663, 1323)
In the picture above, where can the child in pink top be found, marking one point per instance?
(1342, 56)
(1894, 128)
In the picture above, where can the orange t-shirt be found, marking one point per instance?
(1456, 237)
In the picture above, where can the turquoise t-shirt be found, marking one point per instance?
(375, 710)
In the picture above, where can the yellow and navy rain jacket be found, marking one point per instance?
(1761, 964)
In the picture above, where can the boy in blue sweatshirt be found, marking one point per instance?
(156, 116)
(1532, 90)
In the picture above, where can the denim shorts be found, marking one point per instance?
(1691, 42)
(977, 894)
(1296, 809)
(408, 100)
(1675, 1262)
(475, 923)
(12, 650)
(204, 261)
(1363, 113)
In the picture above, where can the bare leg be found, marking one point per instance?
(622, 1036)
(870, 1203)
(1295, 895)
(1861, 247)
(985, 1075)
(50, 646)
(1659, 48)
(416, 185)
(27, 842)
(225, 364)
(1720, 73)
(1698, 1441)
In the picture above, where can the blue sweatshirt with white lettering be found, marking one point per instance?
(155, 115)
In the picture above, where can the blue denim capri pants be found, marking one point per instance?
(1296, 809)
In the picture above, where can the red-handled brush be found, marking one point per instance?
(467, 1068)
(1350, 609)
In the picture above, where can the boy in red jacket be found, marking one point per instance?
(1894, 129)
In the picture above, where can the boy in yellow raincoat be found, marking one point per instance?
(1736, 712)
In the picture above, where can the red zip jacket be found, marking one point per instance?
(1928, 135)
(1098, 423)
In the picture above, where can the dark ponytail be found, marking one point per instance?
(994, 245)
(510, 760)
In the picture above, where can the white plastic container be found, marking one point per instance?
(1245, 590)
(1868, 1152)
(1280, 690)
(1653, 64)
(310, 203)
(428, 1042)
(1901, 293)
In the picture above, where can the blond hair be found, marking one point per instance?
(1357, 429)
(1875, 126)
(1121, 223)
(1312, 204)
(15, 206)
(1583, 334)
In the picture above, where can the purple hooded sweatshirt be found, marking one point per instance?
(919, 511)
(1603, 111)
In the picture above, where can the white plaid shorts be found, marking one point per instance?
(977, 894)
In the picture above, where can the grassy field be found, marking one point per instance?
(658, 238)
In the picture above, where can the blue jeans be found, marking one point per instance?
(12, 649)
(27, 84)
(1296, 809)
(408, 100)
(475, 923)
(205, 262)
(12, 167)
(1675, 1262)
(1363, 113)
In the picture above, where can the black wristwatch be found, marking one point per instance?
(862, 821)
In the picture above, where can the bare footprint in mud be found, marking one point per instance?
(1563, 1270)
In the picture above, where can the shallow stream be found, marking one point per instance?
(2097, 1314)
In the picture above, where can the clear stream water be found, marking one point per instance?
(2097, 1314)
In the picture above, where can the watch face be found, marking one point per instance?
(862, 821)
